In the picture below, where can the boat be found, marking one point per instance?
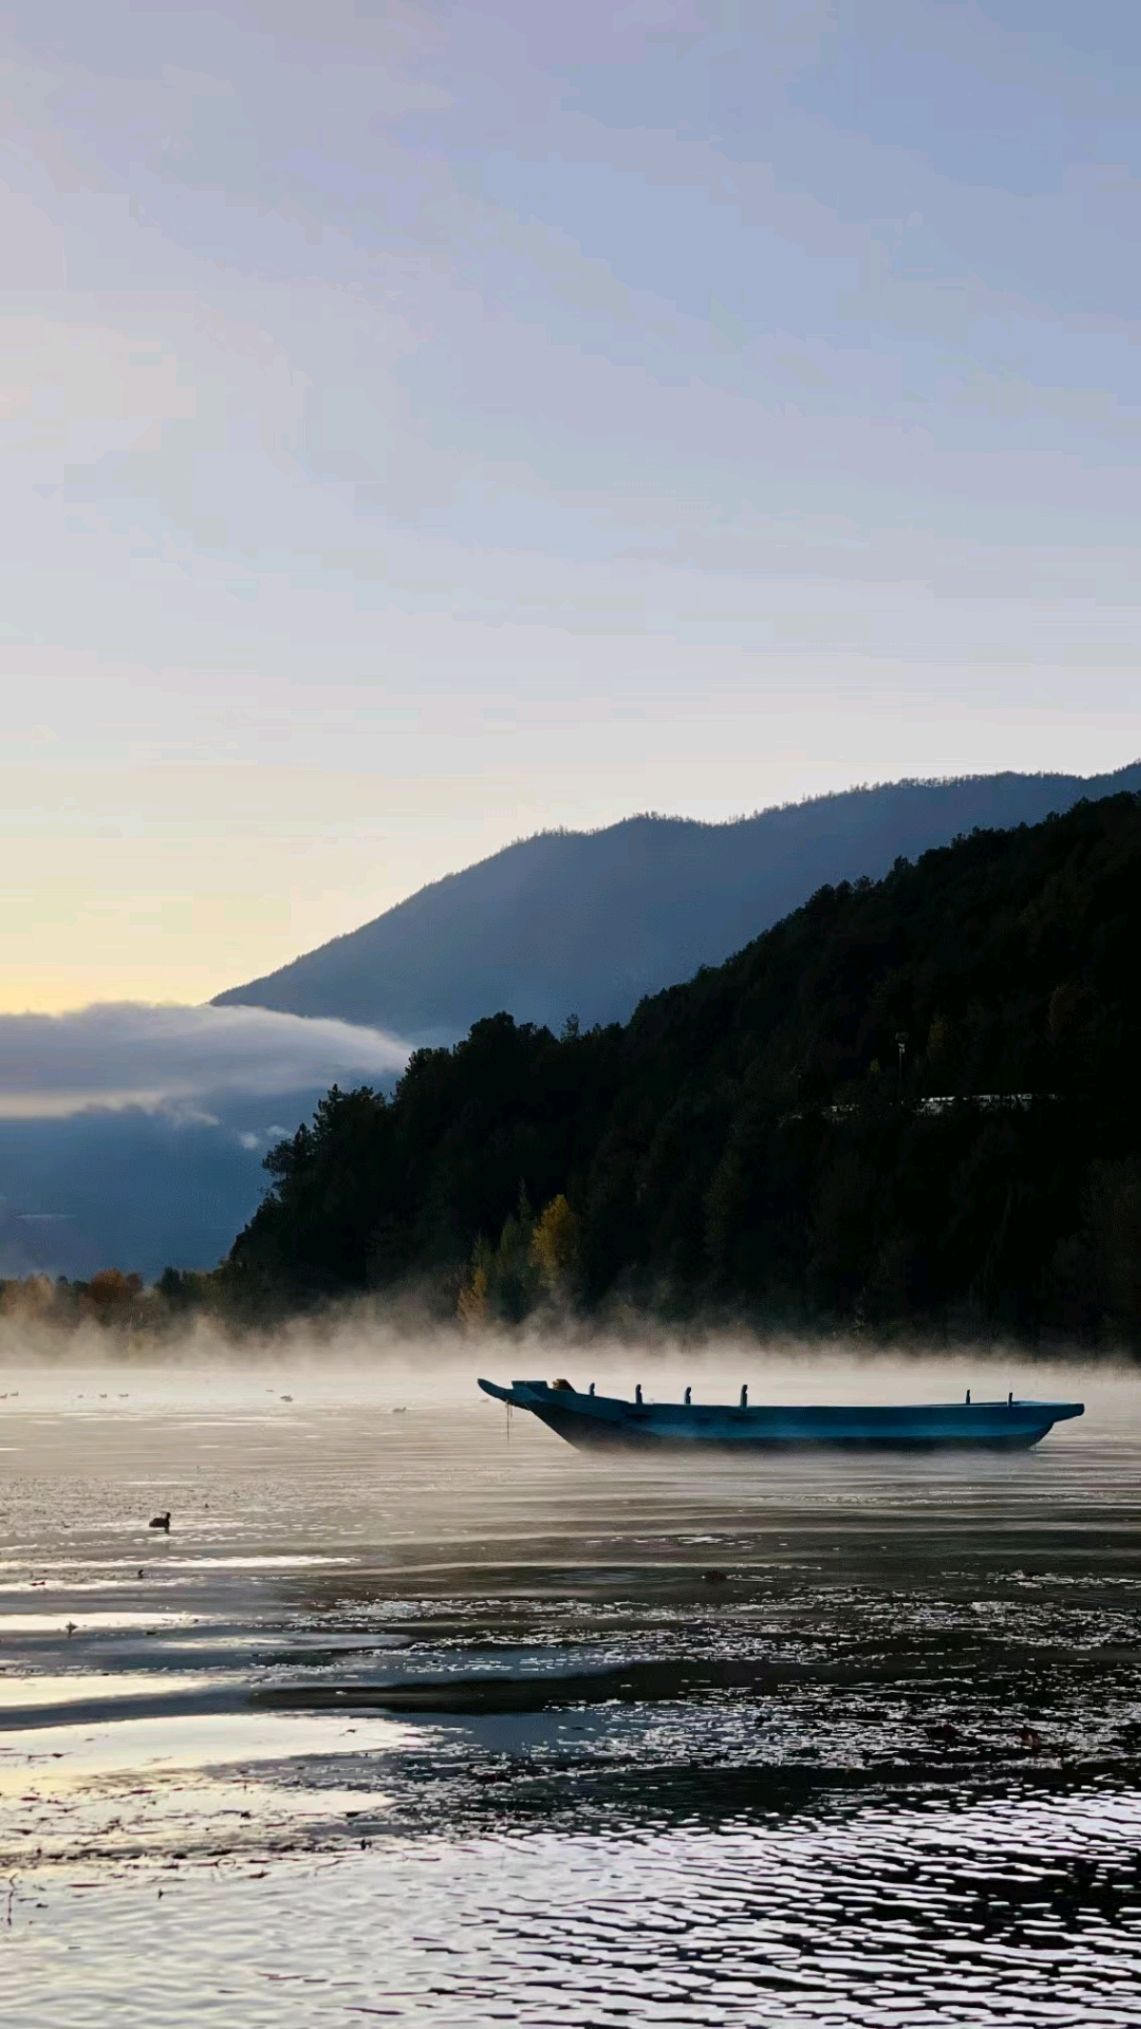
(609, 1422)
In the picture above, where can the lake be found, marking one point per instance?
(419, 1716)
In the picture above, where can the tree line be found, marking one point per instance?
(111, 1299)
(914, 1103)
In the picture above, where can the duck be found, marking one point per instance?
(160, 1522)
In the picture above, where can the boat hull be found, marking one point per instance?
(608, 1423)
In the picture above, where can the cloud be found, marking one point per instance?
(128, 1053)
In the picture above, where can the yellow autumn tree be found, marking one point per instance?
(555, 1248)
(28, 1297)
(473, 1306)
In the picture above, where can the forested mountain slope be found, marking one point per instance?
(913, 1102)
(591, 922)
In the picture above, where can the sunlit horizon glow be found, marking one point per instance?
(424, 425)
(159, 976)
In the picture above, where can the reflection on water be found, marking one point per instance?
(416, 1720)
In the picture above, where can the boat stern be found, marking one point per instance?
(1060, 1412)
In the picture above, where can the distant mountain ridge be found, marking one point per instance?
(911, 1103)
(590, 922)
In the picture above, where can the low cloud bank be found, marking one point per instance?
(129, 1053)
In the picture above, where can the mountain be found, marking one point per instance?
(590, 922)
(911, 1102)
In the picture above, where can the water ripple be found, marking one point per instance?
(402, 1724)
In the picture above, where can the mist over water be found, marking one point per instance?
(419, 1713)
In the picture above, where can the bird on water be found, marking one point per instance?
(160, 1522)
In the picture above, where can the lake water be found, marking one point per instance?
(420, 1718)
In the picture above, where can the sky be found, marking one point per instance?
(427, 423)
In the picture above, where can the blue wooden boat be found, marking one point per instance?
(597, 1422)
